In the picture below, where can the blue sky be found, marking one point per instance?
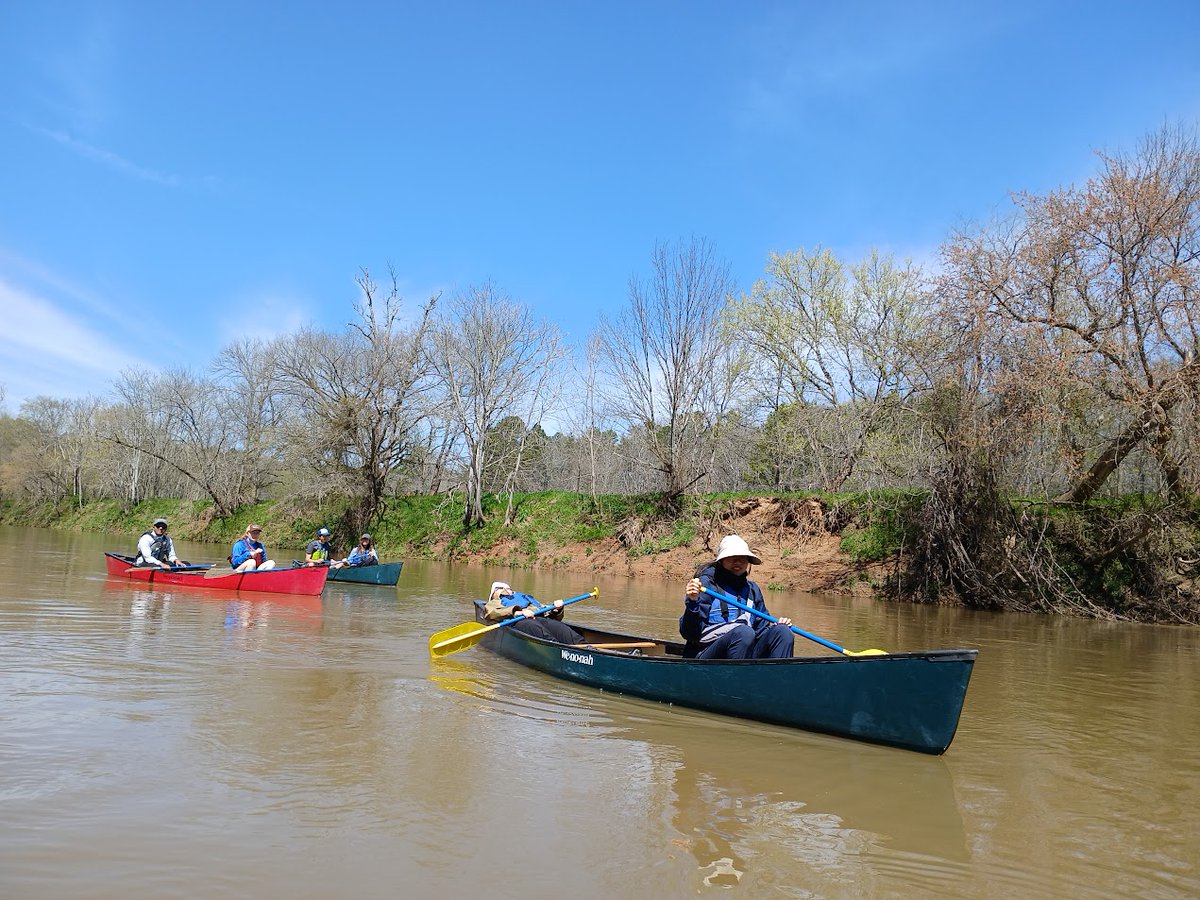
(174, 175)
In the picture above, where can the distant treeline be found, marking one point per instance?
(1044, 376)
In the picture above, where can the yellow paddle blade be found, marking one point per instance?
(460, 637)
(456, 631)
(865, 652)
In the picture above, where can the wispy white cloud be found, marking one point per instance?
(799, 60)
(114, 161)
(46, 349)
(18, 269)
(78, 74)
(77, 91)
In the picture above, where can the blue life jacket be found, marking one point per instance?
(520, 600)
(361, 557)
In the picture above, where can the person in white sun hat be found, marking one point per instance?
(715, 629)
(504, 603)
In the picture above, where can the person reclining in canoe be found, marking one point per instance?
(248, 554)
(155, 548)
(319, 550)
(504, 603)
(714, 629)
(362, 555)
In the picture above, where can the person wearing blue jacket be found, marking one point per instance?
(248, 554)
(715, 629)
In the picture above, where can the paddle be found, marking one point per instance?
(721, 595)
(468, 634)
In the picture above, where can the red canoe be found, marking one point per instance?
(307, 580)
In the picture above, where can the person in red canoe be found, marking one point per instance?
(248, 554)
(155, 548)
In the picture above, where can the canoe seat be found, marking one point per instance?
(633, 648)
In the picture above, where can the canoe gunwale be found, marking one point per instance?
(674, 649)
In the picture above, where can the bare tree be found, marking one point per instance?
(66, 438)
(665, 359)
(358, 398)
(1098, 285)
(589, 411)
(180, 419)
(493, 359)
(248, 390)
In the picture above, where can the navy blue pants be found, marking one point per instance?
(743, 642)
(548, 629)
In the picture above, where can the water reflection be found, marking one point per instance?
(744, 800)
(245, 620)
(462, 677)
(147, 610)
(241, 614)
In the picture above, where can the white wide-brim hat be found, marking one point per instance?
(732, 545)
(498, 586)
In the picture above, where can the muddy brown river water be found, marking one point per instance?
(186, 743)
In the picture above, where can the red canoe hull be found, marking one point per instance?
(308, 581)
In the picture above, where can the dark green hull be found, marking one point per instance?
(383, 573)
(907, 700)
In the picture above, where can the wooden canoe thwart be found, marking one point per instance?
(308, 581)
(380, 573)
(907, 700)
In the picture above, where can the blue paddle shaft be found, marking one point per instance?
(546, 609)
(721, 595)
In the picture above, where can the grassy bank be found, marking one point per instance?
(1111, 559)
(871, 526)
(417, 526)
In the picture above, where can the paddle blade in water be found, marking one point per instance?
(460, 637)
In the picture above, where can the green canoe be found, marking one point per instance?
(908, 700)
(381, 573)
